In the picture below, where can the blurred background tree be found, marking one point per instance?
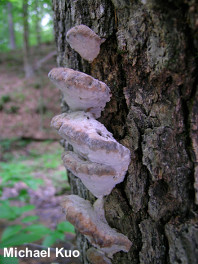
(11, 26)
(25, 23)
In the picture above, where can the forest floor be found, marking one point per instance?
(27, 141)
(27, 106)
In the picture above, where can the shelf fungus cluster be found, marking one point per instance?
(97, 158)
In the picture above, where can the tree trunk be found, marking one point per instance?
(149, 62)
(37, 22)
(11, 27)
(29, 72)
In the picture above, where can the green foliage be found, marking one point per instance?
(50, 161)
(42, 13)
(13, 109)
(10, 231)
(16, 171)
(29, 218)
(21, 169)
(58, 233)
(37, 86)
(16, 235)
(3, 100)
(12, 212)
(19, 97)
(5, 260)
(19, 236)
(65, 227)
(8, 144)
(47, 160)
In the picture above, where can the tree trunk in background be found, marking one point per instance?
(149, 62)
(11, 27)
(38, 23)
(29, 72)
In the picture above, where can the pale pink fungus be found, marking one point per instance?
(85, 41)
(90, 221)
(99, 160)
(81, 91)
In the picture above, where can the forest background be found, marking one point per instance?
(31, 176)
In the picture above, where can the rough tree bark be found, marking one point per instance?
(149, 62)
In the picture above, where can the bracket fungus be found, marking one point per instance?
(91, 222)
(81, 91)
(97, 153)
(85, 41)
(97, 158)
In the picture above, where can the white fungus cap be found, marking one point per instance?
(84, 41)
(98, 178)
(81, 91)
(101, 162)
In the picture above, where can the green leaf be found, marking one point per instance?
(23, 195)
(65, 227)
(18, 211)
(26, 208)
(20, 239)
(33, 183)
(6, 212)
(5, 202)
(38, 229)
(52, 238)
(5, 260)
(18, 171)
(49, 240)
(59, 235)
(30, 218)
(10, 231)
(12, 212)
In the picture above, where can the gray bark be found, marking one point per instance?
(149, 62)
(11, 27)
(29, 72)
